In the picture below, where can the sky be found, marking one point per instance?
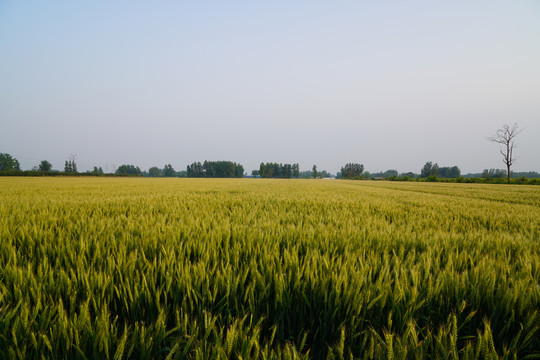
(388, 84)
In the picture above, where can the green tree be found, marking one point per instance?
(215, 169)
(269, 171)
(168, 171)
(44, 165)
(315, 173)
(493, 174)
(409, 175)
(352, 171)
(238, 170)
(128, 170)
(154, 171)
(385, 175)
(70, 165)
(296, 170)
(324, 174)
(8, 163)
(195, 170)
(287, 171)
(449, 172)
(429, 169)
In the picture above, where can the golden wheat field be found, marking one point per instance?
(136, 268)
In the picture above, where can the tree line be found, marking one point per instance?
(434, 170)
(215, 169)
(505, 136)
(278, 171)
(228, 169)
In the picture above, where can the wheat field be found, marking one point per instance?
(135, 268)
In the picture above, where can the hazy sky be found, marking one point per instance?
(389, 84)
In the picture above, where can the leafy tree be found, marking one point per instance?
(324, 174)
(493, 174)
(97, 171)
(429, 169)
(296, 170)
(168, 171)
(8, 163)
(409, 175)
(154, 171)
(255, 173)
(315, 173)
(282, 171)
(449, 172)
(215, 169)
(195, 170)
(506, 137)
(70, 166)
(128, 170)
(44, 165)
(306, 174)
(270, 171)
(352, 171)
(390, 173)
(527, 174)
(238, 170)
(287, 171)
(385, 175)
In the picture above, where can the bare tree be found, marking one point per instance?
(506, 136)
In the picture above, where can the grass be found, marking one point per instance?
(211, 268)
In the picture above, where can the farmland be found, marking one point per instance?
(251, 268)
